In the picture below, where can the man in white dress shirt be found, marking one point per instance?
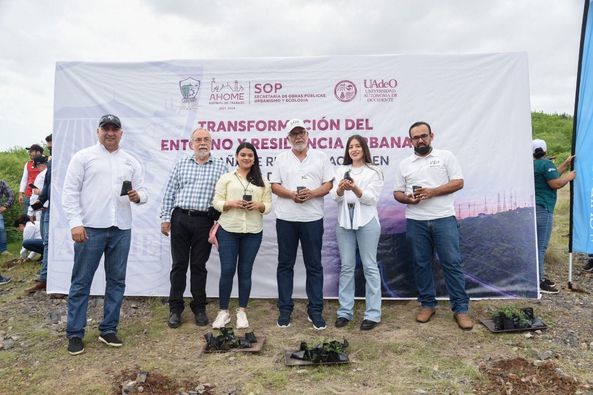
(96, 199)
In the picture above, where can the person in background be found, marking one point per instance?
(39, 163)
(28, 177)
(35, 213)
(243, 197)
(184, 214)
(42, 204)
(32, 248)
(301, 177)
(48, 142)
(425, 182)
(6, 200)
(97, 200)
(548, 179)
(357, 193)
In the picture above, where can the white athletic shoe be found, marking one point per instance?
(222, 319)
(242, 319)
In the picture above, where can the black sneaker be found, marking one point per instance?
(589, 266)
(318, 322)
(283, 320)
(549, 282)
(110, 339)
(547, 289)
(75, 346)
(4, 280)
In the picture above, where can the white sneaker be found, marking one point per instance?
(222, 319)
(242, 319)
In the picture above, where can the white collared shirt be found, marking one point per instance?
(291, 173)
(435, 169)
(92, 187)
(369, 179)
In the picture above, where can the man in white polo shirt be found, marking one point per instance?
(425, 182)
(300, 178)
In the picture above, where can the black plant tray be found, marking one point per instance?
(488, 323)
(255, 347)
(289, 361)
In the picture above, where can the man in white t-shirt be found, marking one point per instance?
(425, 182)
(300, 178)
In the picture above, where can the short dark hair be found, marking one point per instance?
(22, 220)
(419, 123)
(365, 149)
(48, 138)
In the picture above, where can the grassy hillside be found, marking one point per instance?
(556, 130)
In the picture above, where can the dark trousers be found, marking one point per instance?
(310, 235)
(189, 246)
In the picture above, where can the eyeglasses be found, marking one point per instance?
(200, 139)
(422, 137)
(297, 134)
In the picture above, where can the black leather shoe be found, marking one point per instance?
(201, 318)
(174, 320)
(341, 322)
(367, 325)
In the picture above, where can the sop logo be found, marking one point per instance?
(268, 87)
(380, 84)
(345, 91)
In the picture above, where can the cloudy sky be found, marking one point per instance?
(36, 34)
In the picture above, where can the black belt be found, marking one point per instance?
(192, 213)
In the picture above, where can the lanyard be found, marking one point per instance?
(241, 182)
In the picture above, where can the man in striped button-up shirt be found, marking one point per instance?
(184, 214)
(5, 192)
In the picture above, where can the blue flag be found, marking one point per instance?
(582, 207)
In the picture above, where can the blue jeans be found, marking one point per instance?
(26, 203)
(367, 239)
(2, 234)
(115, 244)
(545, 221)
(33, 245)
(236, 251)
(45, 238)
(310, 234)
(442, 235)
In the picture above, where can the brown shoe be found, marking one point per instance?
(464, 321)
(39, 285)
(425, 314)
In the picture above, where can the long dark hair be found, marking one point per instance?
(254, 176)
(365, 149)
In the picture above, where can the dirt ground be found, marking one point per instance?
(399, 356)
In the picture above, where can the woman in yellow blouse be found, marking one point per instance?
(243, 197)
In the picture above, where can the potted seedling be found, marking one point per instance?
(511, 317)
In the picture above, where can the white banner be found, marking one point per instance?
(477, 105)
